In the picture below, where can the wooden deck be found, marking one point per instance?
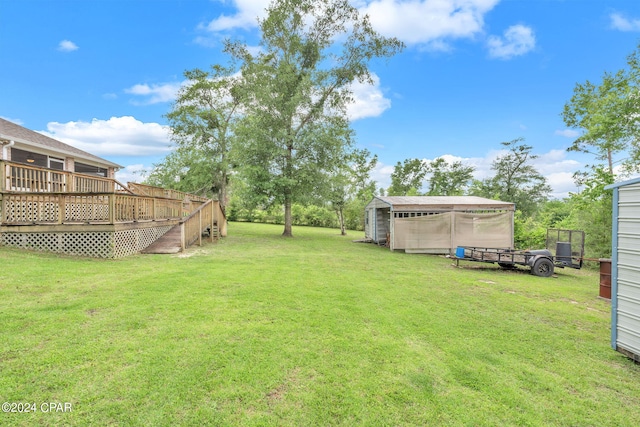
(46, 208)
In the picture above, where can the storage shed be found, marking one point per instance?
(625, 268)
(439, 224)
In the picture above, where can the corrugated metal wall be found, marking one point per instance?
(628, 269)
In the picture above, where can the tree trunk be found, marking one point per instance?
(287, 217)
(287, 192)
(343, 231)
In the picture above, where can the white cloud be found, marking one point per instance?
(67, 46)
(16, 121)
(428, 21)
(517, 40)
(369, 101)
(155, 93)
(133, 173)
(118, 136)
(622, 23)
(254, 50)
(381, 174)
(567, 133)
(246, 17)
(562, 184)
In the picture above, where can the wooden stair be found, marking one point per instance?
(169, 243)
(174, 240)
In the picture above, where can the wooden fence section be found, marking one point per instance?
(152, 191)
(32, 179)
(65, 208)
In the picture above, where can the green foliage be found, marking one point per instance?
(311, 215)
(202, 121)
(407, 178)
(515, 179)
(594, 216)
(528, 233)
(449, 179)
(574, 213)
(350, 184)
(607, 116)
(187, 169)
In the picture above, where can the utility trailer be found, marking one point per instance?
(565, 248)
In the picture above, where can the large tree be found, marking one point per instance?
(449, 179)
(407, 177)
(516, 180)
(202, 122)
(606, 114)
(601, 113)
(296, 90)
(350, 184)
(187, 169)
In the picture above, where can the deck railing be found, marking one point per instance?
(34, 179)
(152, 191)
(66, 208)
(210, 216)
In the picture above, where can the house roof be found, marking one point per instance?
(10, 131)
(443, 202)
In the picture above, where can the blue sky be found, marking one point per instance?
(101, 74)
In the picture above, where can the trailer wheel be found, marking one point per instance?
(542, 268)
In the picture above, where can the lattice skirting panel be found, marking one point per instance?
(129, 242)
(95, 244)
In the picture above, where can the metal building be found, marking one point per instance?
(438, 224)
(625, 268)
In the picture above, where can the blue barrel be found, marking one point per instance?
(459, 252)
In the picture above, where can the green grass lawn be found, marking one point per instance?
(315, 330)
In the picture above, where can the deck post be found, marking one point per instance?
(182, 237)
(213, 213)
(61, 208)
(200, 227)
(71, 182)
(112, 208)
(4, 185)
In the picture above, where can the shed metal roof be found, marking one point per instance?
(10, 131)
(444, 202)
(622, 183)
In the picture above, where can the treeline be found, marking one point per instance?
(310, 215)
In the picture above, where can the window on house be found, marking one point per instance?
(28, 158)
(90, 170)
(57, 164)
